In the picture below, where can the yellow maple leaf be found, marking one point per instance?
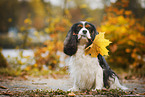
(98, 46)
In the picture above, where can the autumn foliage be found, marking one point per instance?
(98, 46)
(126, 34)
(122, 29)
(122, 22)
(47, 55)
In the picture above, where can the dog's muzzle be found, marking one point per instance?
(84, 33)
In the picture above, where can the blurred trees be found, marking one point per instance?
(3, 62)
(127, 35)
(13, 13)
(136, 8)
(39, 13)
(123, 22)
(48, 55)
(9, 14)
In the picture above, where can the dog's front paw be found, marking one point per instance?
(73, 89)
(98, 88)
(123, 88)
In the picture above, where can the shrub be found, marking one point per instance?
(126, 33)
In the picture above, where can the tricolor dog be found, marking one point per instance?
(87, 72)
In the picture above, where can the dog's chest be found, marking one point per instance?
(84, 61)
(83, 68)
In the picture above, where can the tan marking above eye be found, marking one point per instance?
(87, 26)
(80, 25)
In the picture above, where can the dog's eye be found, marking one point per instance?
(79, 27)
(88, 26)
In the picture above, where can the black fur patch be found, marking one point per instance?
(107, 72)
(71, 42)
(71, 47)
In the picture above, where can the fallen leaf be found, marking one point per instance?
(142, 93)
(3, 87)
(98, 46)
(71, 94)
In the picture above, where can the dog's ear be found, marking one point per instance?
(94, 32)
(70, 43)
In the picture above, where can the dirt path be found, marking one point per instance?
(31, 83)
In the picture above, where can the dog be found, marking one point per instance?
(87, 72)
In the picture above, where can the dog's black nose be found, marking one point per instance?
(84, 31)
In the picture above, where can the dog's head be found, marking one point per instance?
(81, 33)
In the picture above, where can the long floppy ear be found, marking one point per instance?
(93, 34)
(70, 43)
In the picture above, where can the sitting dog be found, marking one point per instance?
(87, 72)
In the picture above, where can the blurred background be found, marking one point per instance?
(32, 34)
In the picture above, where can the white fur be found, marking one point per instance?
(115, 84)
(83, 22)
(81, 31)
(85, 71)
